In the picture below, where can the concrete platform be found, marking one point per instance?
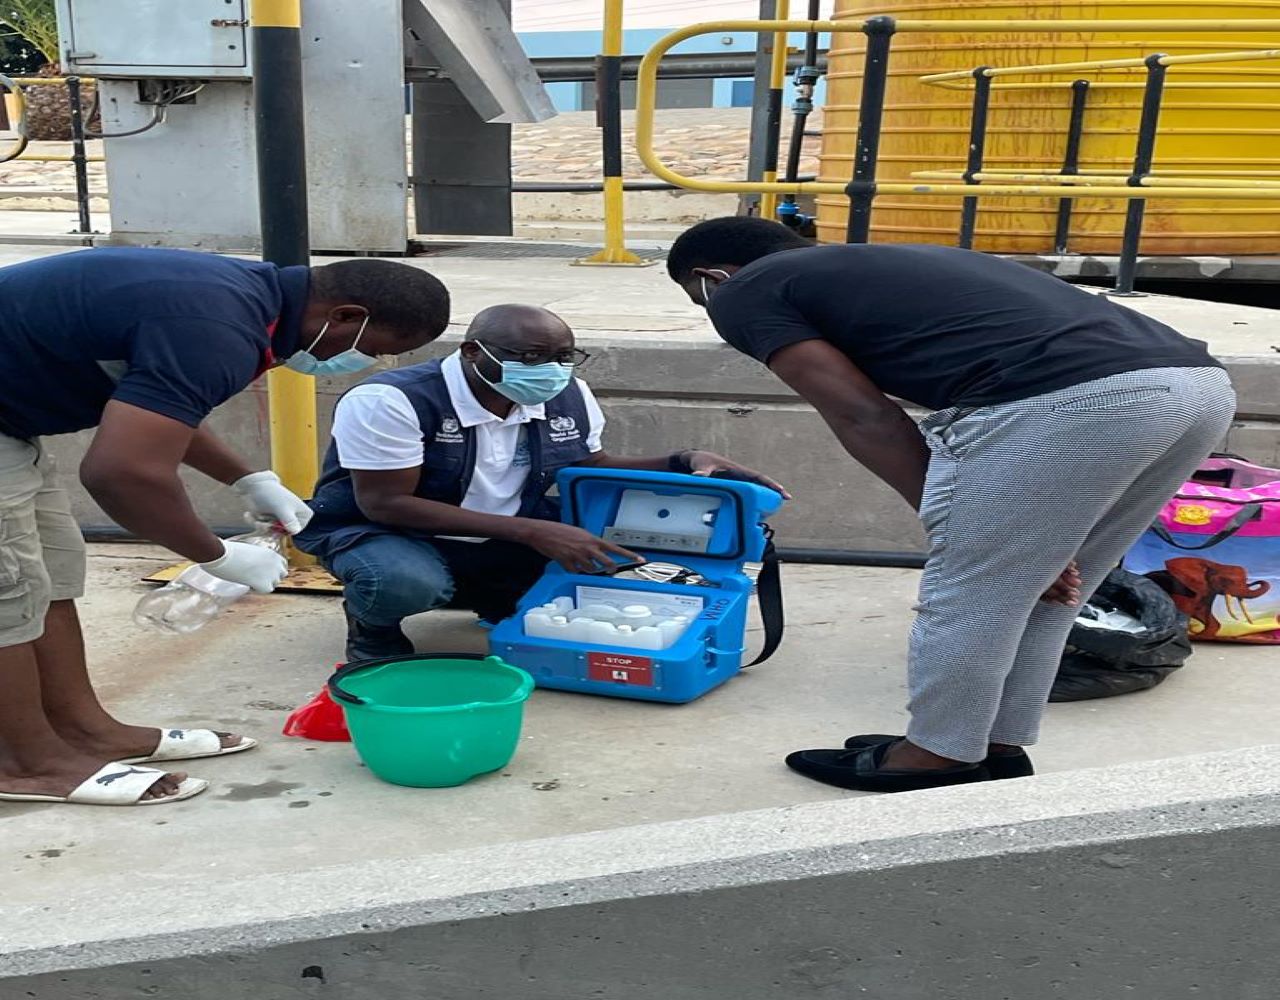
(295, 829)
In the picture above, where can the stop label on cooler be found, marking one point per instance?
(619, 668)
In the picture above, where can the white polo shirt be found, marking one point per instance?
(376, 427)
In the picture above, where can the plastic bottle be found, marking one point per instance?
(672, 629)
(637, 615)
(194, 598)
(647, 637)
(605, 633)
(597, 612)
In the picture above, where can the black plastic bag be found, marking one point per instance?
(1100, 662)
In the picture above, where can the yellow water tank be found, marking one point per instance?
(1208, 131)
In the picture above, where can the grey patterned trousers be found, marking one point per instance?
(1014, 493)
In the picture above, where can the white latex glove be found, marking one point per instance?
(266, 499)
(255, 566)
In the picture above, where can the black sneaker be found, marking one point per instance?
(371, 642)
(860, 770)
(1000, 765)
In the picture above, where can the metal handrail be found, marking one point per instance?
(1132, 63)
(1142, 175)
(647, 88)
(1095, 180)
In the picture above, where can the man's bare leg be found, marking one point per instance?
(70, 703)
(34, 759)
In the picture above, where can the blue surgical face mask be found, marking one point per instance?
(348, 362)
(528, 385)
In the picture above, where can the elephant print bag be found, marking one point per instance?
(1216, 549)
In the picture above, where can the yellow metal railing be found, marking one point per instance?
(1057, 188)
(15, 87)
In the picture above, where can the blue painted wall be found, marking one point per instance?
(726, 93)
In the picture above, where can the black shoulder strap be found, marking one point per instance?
(769, 594)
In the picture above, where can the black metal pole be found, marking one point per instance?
(79, 158)
(280, 131)
(862, 189)
(977, 151)
(1143, 156)
(749, 204)
(1071, 162)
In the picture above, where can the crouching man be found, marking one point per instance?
(433, 492)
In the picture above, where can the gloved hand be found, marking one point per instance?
(266, 499)
(255, 566)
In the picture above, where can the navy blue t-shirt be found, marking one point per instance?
(171, 331)
(940, 326)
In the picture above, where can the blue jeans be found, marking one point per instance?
(386, 578)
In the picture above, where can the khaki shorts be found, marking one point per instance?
(42, 555)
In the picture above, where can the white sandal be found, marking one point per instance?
(189, 744)
(116, 784)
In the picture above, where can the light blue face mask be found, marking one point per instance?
(528, 385)
(348, 362)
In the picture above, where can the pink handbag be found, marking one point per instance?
(1215, 548)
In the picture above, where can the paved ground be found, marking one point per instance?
(642, 303)
(584, 763)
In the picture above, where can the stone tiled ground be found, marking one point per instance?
(699, 142)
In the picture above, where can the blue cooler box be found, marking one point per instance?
(711, 526)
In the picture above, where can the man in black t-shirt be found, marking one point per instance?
(1062, 423)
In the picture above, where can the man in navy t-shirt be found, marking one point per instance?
(1062, 423)
(142, 345)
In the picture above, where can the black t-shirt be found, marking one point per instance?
(939, 326)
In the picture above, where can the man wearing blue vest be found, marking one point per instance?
(142, 345)
(434, 489)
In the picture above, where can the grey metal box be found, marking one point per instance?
(183, 39)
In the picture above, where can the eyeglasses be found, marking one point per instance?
(574, 357)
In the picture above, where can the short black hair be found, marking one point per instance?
(406, 300)
(734, 239)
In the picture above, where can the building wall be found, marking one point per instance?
(573, 28)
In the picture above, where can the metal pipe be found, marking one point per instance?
(1071, 162)
(1207, 184)
(762, 63)
(773, 120)
(20, 126)
(1133, 62)
(614, 253)
(1143, 155)
(677, 65)
(566, 187)
(977, 150)
(862, 188)
(279, 126)
(78, 156)
(806, 80)
(646, 103)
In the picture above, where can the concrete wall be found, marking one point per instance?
(1153, 881)
(662, 397)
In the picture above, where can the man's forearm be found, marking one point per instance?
(153, 505)
(209, 455)
(891, 447)
(661, 463)
(438, 518)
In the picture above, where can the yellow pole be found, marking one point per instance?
(609, 115)
(777, 78)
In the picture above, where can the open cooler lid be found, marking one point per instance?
(704, 522)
